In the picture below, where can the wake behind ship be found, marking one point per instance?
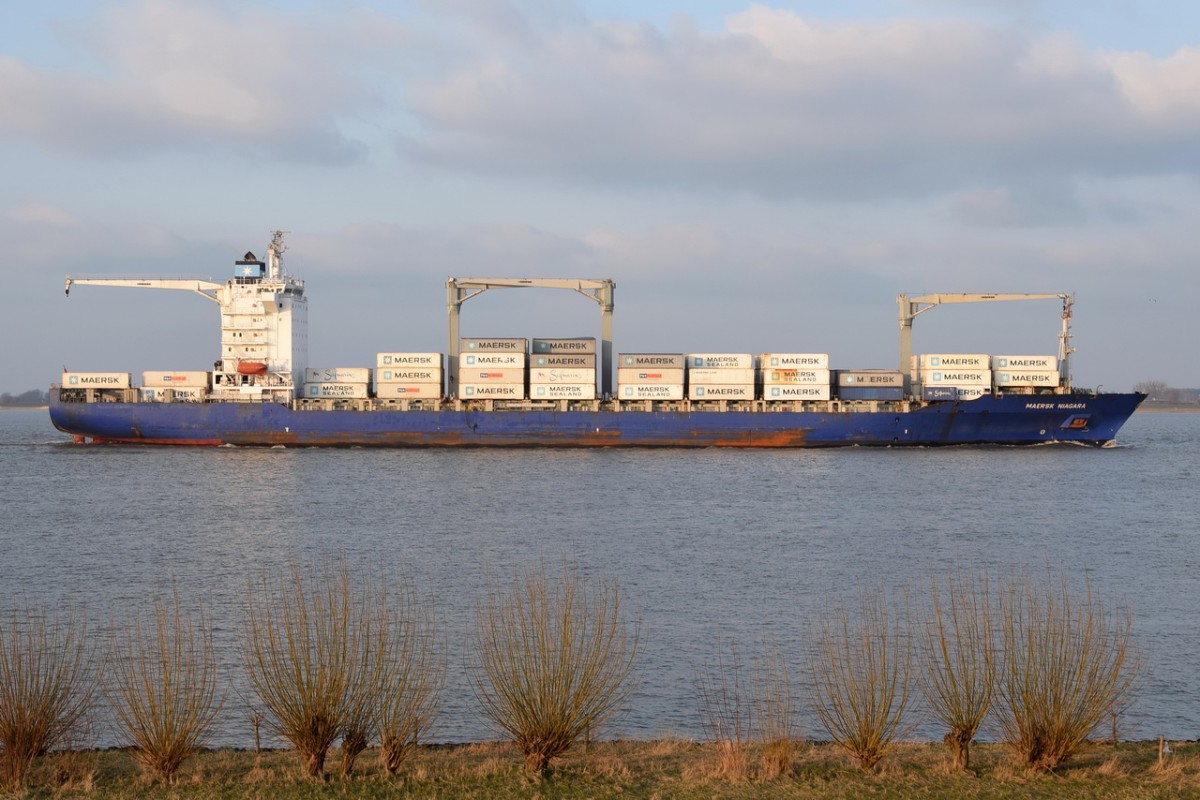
(561, 392)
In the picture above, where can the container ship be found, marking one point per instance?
(560, 392)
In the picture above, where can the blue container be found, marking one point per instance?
(870, 392)
(939, 393)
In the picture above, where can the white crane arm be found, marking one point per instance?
(203, 288)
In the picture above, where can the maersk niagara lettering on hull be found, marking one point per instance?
(494, 392)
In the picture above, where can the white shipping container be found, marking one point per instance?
(174, 379)
(871, 378)
(1022, 363)
(179, 394)
(407, 391)
(724, 376)
(494, 391)
(409, 375)
(337, 375)
(493, 345)
(793, 376)
(561, 375)
(972, 392)
(721, 391)
(581, 346)
(794, 360)
(1027, 377)
(650, 376)
(562, 391)
(796, 391)
(491, 375)
(720, 361)
(666, 391)
(956, 377)
(652, 360)
(96, 380)
(955, 361)
(587, 361)
(405, 360)
(504, 360)
(335, 390)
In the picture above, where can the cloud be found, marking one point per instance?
(169, 75)
(783, 106)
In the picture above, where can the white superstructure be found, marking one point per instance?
(264, 325)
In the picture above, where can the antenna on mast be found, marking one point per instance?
(275, 255)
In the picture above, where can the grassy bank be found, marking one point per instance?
(657, 769)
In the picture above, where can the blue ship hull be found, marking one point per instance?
(1010, 419)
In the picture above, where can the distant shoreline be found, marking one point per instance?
(24, 408)
(1169, 408)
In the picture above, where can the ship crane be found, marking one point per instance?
(911, 307)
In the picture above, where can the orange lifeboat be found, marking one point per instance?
(252, 368)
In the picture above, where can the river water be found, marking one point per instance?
(707, 546)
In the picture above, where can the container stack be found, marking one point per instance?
(408, 376)
(650, 376)
(337, 383)
(1026, 372)
(968, 374)
(720, 376)
(161, 386)
(492, 369)
(870, 384)
(96, 380)
(562, 369)
(794, 376)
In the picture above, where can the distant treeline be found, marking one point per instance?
(34, 397)
(1160, 392)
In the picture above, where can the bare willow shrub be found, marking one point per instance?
(47, 685)
(775, 713)
(861, 669)
(554, 658)
(1069, 663)
(728, 705)
(410, 679)
(163, 687)
(300, 655)
(958, 653)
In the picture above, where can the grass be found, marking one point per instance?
(637, 769)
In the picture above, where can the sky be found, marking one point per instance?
(756, 177)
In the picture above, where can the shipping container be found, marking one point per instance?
(491, 375)
(666, 391)
(1028, 377)
(570, 362)
(797, 391)
(1022, 363)
(720, 361)
(864, 392)
(173, 379)
(721, 391)
(581, 346)
(790, 376)
(931, 393)
(493, 345)
(721, 376)
(794, 361)
(953, 361)
(96, 380)
(537, 375)
(650, 375)
(972, 392)
(870, 377)
(406, 391)
(408, 375)
(492, 391)
(409, 360)
(956, 377)
(328, 391)
(562, 391)
(657, 360)
(337, 375)
(504, 360)
(178, 394)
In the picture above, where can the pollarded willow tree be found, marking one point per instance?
(554, 657)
